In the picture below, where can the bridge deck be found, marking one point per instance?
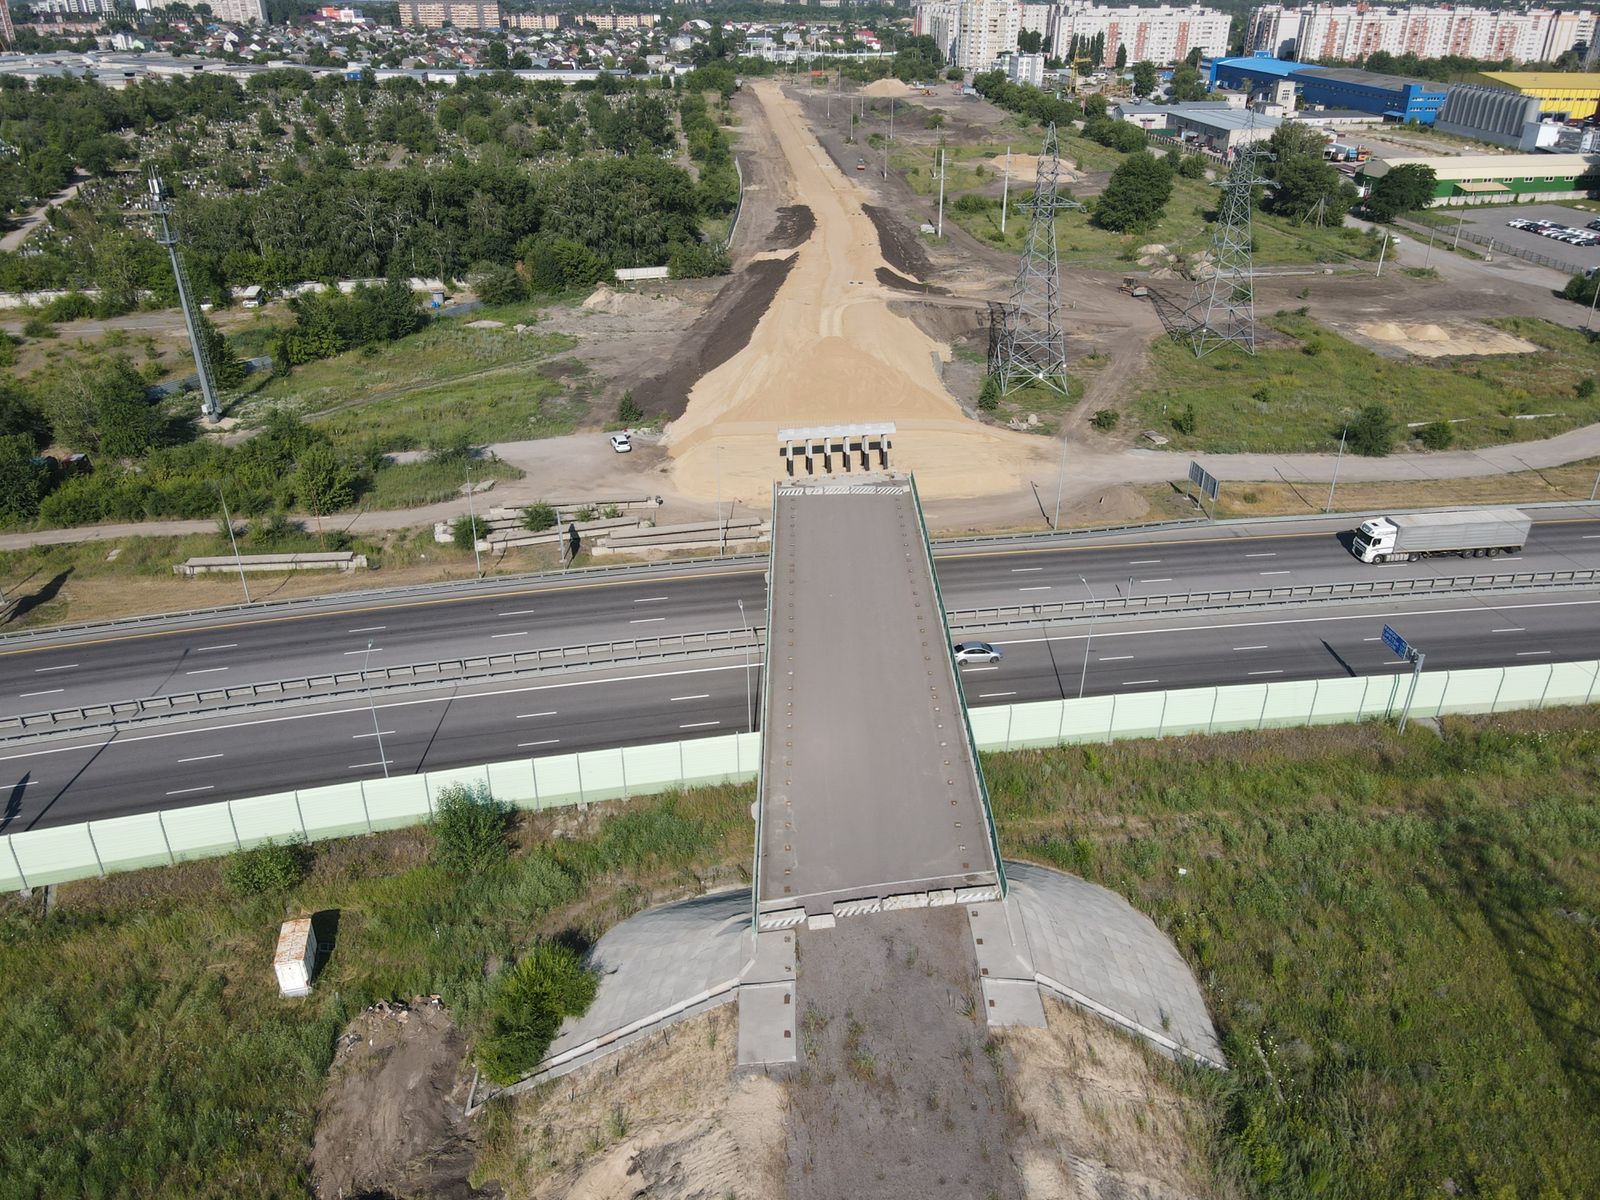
(869, 783)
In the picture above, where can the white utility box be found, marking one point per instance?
(296, 957)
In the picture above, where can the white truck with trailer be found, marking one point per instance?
(1468, 533)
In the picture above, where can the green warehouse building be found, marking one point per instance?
(1498, 178)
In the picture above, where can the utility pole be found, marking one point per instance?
(940, 232)
(373, 703)
(1061, 476)
(1342, 434)
(749, 638)
(1089, 641)
(1382, 250)
(472, 520)
(1428, 257)
(1460, 221)
(1005, 191)
(228, 521)
(162, 207)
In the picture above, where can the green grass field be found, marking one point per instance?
(447, 381)
(1397, 938)
(1296, 396)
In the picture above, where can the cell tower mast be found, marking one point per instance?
(1031, 347)
(168, 237)
(1223, 308)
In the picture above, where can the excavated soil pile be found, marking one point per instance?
(392, 1119)
(1430, 340)
(795, 226)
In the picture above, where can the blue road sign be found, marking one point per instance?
(1395, 642)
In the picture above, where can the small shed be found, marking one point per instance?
(296, 956)
(251, 296)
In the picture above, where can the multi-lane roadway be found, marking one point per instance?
(228, 755)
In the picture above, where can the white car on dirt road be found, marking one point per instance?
(622, 443)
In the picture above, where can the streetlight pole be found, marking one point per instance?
(373, 702)
(1005, 191)
(1382, 250)
(1342, 434)
(472, 520)
(1061, 477)
(1460, 221)
(1089, 641)
(749, 701)
(1428, 257)
(942, 152)
(239, 562)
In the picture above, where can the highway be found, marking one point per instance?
(168, 765)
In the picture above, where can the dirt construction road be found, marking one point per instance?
(829, 351)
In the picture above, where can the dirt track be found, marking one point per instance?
(830, 351)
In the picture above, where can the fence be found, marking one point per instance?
(68, 852)
(1504, 246)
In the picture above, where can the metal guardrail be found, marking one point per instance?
(333, 684)
(1000, 616)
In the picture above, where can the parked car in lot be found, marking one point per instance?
(1593, 225)
(968, 653)
(622, 443)
(1520, 223)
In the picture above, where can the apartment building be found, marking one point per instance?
(458, 14)
(987, 29)
(1353, 31)
(1160, 34)
(940, 20)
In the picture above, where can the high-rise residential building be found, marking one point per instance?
(1159, 34)
(1352, 31)
(988, 29)
(229, 12)
(458, 14)
(940, 20)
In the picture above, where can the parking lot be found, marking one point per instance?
(1491, 223)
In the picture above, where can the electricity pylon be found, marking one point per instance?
(1223, 307)
(1031, 347)
(168, 237)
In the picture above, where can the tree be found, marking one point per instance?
(498, 284)
(323, 481)
(536, 518)
(469, 829)
(1196, 53)
(22, 483)
(989, 394)
(628, 410)
(1185, 420)
(1372, 431)
(467, 532)
(499, 56)
(1136, 194)
(1144, 78)
(1122, 56)
(227, 368)
(1029, 41)
(1404, 189)
(527, 1005)
(1187, 84)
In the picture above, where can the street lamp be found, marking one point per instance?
(472, 520)
(373, 703)
(749, 701)
(227, 520)
(1342, 433)
(1089, 641)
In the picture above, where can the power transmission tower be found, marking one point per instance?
(168, 237)
(1031, 347)
(1223, 308)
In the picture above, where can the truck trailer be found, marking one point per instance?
(1474, 533)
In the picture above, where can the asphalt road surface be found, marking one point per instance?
(68, 780)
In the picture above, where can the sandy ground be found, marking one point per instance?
(664, 1119)
(829, 351)
(1428, 339)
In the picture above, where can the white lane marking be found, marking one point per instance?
(1163, 579)
(1376, 639)
(369, 629)
(185, 791)
(224, 646)
(1510, 629)
(988, 668)
(1144, 562)
(525, 716)
(649, 599)
(699, 724)
(546, 742)
(993, 695)
(1025, 570)
(1275, 671)
(1528, 653)
(63, 667)
(1518, 558)
(1043, 587)
(47, 692)
(521, 612)
(206, 671)
(519, 633)
(1589, 537)
(645, 620)
(1263, 554)
(1275, 572)
(1137, 682)
(701, 696)
(1113, 658)
(374, 650)
(1238, 648)
(382, 762)
(199, 758)
(356, 737)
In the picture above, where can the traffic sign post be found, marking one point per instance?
(1207, 485)
(1403, 649)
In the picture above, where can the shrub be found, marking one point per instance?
(468, 531)
(498, 284)
(989, 395)
(1586, 388)
(612, 512)
(1105, 419)
(1372, 432)
(527, 1006)
(972, 203)
(1185, 420)
(1436, 435)
(586, 513)
(628, 410)
(697, 261)
(536, 518)
(469, 829)
(265, 870)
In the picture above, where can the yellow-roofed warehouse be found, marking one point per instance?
(1572, 95)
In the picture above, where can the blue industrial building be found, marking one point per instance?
(1387, 96)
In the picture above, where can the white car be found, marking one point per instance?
(622, 443)
(976, 652)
